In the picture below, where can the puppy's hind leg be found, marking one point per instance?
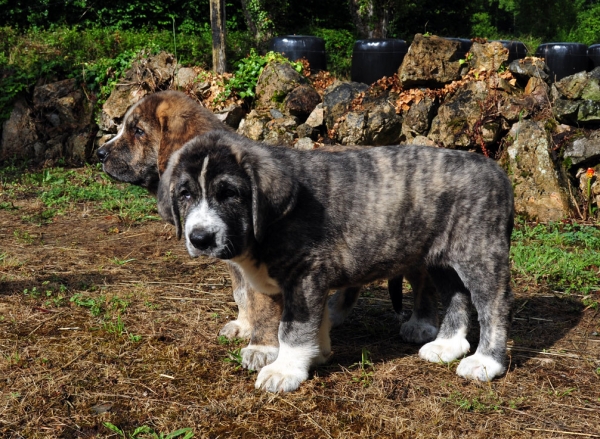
(492, 298)
(341, 303)
(451, 341)
(423, 323)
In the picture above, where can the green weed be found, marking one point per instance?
(235, 358)
(135, 338)
(95, 305)
(365, 365)
(118, 261)
(484, 403)
(117, 327)
(224, 341)
(23, 236)
(145, 431)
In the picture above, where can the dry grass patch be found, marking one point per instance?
(107, 321)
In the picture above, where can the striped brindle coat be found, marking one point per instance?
(299, 223)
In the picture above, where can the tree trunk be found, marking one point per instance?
(217, 24)
(371, 17)
(250, 20)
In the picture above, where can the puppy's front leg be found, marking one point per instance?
(303, 341)
(264, 312)
(242, 326)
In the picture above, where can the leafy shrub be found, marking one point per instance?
(587, 30)
(248, 70)
(339, 44)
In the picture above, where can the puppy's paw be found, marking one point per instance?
(417, 331)
(480, 367)
(444, 349)
(274, 378)
(236, 329)
(255, 357)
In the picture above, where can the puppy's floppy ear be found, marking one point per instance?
(176, 127)
(274, 189)
(168, 207)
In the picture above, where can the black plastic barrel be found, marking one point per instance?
(563, 59)
(465, 46)
(594, 55)
(516, 49)
(294, 47)
(374, 58)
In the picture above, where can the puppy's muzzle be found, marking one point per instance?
(202, 239)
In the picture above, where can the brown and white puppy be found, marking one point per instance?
(152, 130)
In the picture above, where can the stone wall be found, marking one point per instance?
(546, 135)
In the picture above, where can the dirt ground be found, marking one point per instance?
(106, 322)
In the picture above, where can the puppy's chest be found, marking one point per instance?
(257, 275)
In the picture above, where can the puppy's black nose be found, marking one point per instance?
(102, 154)
(202, 240)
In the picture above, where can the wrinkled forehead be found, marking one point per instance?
(209, 166)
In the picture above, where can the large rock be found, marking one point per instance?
(582, 85)
(147, 75)
(231, 115)
(58, 126)
(488, 56)
(540, 186)
(301, 101)
(529, 67)
(280, 131)
(254, 125)
(275, 82)
(577, 98)
(187, 79)
(584, 151)
(431, 62)
(460, 122)
(337, 100)
(19, 136)
(316, 118)
(374, 122)
(419, 117)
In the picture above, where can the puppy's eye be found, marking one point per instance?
(226, 192)
(138, 132)
(184, 194)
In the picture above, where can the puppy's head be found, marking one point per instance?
(227, 190)
(152, 130)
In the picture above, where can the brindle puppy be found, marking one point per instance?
(299, 223)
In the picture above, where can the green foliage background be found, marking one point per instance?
(43, 40)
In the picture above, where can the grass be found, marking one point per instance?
(565, 257)
(62, 190)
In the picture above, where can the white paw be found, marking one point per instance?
(274, 378)
(255, 357)
(444, 349)
(417, 331)
(236, 329)
(289, 369)
(480, 367)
